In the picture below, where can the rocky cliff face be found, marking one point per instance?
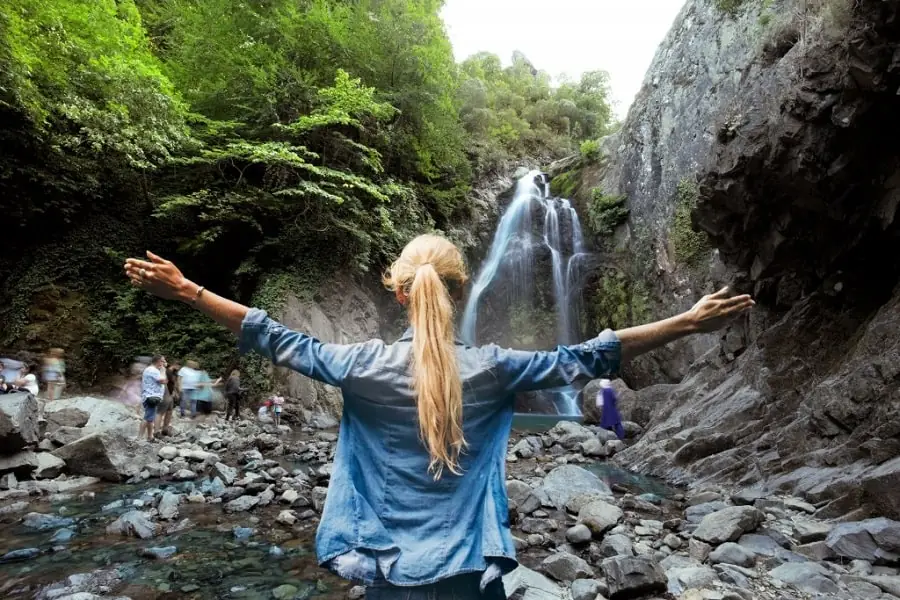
(773, 129)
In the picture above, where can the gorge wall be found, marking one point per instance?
(760, 153)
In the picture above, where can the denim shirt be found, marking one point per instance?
(384, 513)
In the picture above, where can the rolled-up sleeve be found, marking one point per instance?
(329, 363)
(523, 370)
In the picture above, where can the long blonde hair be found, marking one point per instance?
(426, 267)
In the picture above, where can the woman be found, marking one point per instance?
(54, 373)
(417, 503)
(27, 380)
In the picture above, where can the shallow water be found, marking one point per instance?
(210, 561)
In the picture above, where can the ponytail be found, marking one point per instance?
(421, 274)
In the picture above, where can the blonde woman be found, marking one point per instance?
(417, 504)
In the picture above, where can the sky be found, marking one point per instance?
(567, 36)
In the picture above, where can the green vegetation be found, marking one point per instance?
(606, 212)
(689, 245)
(729, 6)
(255, 142)
(618, 302)
(590, 150)
(531, 326)
(565, 184)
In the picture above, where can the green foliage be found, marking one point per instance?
(729, 6)
(619, 302)
(590, 150)
(515, 111)
(606, 212)
(565, 184)
(689, 245)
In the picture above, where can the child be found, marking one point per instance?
(278, 403)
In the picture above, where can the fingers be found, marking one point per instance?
(721, 294)
(158, 259)
(741, 301)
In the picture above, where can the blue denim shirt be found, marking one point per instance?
(384, 511)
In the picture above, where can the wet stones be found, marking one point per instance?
(567, 481)
(629, 576)
(243, 503)
(728, 524)
(566, 567)
(599, 516)
(133, 523)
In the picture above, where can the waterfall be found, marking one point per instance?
(511, 260)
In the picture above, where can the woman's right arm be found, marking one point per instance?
(329, 363)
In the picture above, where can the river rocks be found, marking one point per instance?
(319, 494)
(105, 455)
(184, 475)
(133, 523)
(599, 516)
(286, 517)
(680, 579)
(18, 422)
(525, 584)
(158, 553)
(522, 497)
(104, 415)
(585, 589)
(810, 531)
(732, 554)
(632, 576)
(242, 503)
(168, 452)
(66, 435)
(42, 522)
(579, 534)
(808, 577)
(728, 524)
(616, 545)
(20, 554)
(36, 464)
(566, 567)
(65, 415)
(567, 481)
(168, 506)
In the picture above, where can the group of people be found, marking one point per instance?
(165, 386)
(16, 376)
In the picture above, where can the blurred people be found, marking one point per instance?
(27, 380)
(203, 394)
(54, 373)
(263, 413)
(188, 376)
(5, 388)
(233, 394)
(153, 384)
(171, 398)
(277, 406)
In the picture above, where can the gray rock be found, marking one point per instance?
(20, 554)
(42, 522)
(695, 514)
(732, 554)
(48, 466)
(593, 447)
(600, 516)
(673, 541)
(39, 465)
(8, 482)
(703, 498)
(585, 589)
(885, 532)
(18, 422)
(570, 434)
(318, 497)
(855, 540)
(733, 575)
(566, 567)
(579, 534)
(536, 525)
(133, 523)
(168, 506)
(525, 584)
(567, 481)
(889, 584)
(615, 544)
(698, 550)
(522, 497)
(728, 524)
(67, 435)
(158, 553)
(242, 503)
(632, 576)
(228, 474)
(184, 475)
(810, 531)
(576, 503)
(106, 455)
(808, 577)
(698, 577)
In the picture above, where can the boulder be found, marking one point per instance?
(168, 506)
(680, 580)
(858, 540)
(570, 434)
(566, 567)
(599, 516)
(65, 415)
(66, 435)
(40, 465)
(810, 531)
(585, 589)
(133, 523)
(579, 534)
(633, 576)
(106, 455)
(728, 524)
(104, 415)
(18, 422)
(567, 481)
(615, 544)
(525, 584)
(806, 576)
(522, 497)
(48, 466)
(242, 503)
(43, 522)
(732, 554)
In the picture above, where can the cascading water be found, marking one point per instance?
(512, 254)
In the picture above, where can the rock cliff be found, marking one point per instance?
(759, 153)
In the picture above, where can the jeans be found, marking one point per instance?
(234, 405)
(460, 587)
(189, 397)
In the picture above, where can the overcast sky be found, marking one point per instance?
(567, 36)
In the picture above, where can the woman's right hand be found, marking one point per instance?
(158, 276)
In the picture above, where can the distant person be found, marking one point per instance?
(153, 385)
(54, 373)
(5, 388)
(277, 407)
(262, 414)
(203, 394)
(188, 377)
(233, 396)
(417, 505)
(170, 399)
(27, 380)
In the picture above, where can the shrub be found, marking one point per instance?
(688, 244)
(606, 212)
(590, 150)
(565, 184)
